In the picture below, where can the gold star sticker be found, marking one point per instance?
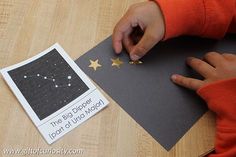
(135, 62)
(116, 62)
(94, 64)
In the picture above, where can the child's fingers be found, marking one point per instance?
(229, 56)
(201, 67)
(124, 26)
(186, 82)
(214, 58)
(148, 40)
(128, 43)
(117, 37)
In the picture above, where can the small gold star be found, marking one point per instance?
(135, 62)
(116, 62)
(94, 64)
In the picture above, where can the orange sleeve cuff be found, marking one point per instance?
(221, 98)
(197, 17)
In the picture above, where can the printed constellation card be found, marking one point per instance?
(54, 91)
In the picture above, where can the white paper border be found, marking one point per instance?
(22, 99)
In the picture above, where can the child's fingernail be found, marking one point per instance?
(174, 77)
(190, 59)
(134, 57)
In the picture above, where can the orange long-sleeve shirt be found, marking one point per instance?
(205, 18)
(212, 19)
(221, 99)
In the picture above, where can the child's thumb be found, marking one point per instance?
(143, 46)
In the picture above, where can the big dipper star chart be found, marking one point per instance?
(48, 83)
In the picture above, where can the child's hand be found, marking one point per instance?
(215, 67)
(139, 29)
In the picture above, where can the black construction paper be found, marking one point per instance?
(145, 91)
